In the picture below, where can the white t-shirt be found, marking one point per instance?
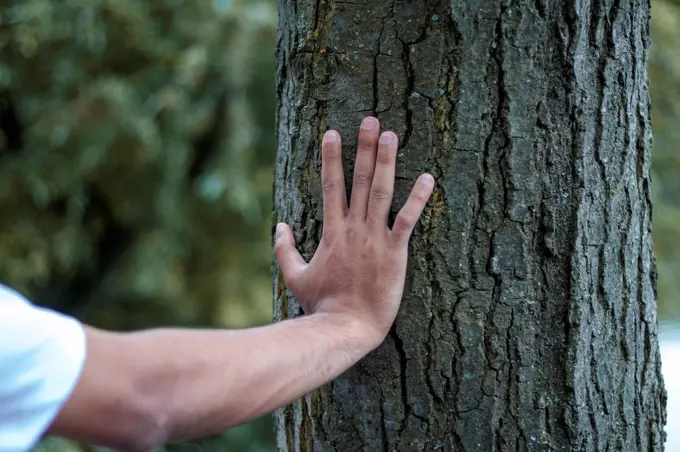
(42, 354)
(669, 341)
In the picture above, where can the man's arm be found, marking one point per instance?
(138, 390)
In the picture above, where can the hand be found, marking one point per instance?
(359, 267)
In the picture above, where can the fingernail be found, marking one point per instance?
(386, 138)
(369, 123)
(427, 180)
(279, 230)
(331, 136)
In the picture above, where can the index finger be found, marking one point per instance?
(332, 179)
(382, 189)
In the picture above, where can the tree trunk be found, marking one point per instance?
(529, 315)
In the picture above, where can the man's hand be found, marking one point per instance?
(360, 265)
(141, 389)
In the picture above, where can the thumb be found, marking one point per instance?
(288, 257)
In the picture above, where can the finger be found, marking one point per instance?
(382, 188)
(410, 213)
(364, 167)
(332, 180)
(288, 257)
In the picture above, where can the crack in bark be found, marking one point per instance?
(399, 346)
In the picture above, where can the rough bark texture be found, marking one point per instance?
(529, 318)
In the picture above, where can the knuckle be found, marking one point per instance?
(385, 156)
(375, 215)
(328, 235)
(403, 223)
(380, 194)
(279, 248)
(330, 152)
(351, 233)
(362, 179)
(366, 143)
(368, 250)
(421, 197)
(329, 186)
(327, 238)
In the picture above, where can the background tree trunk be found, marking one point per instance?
(529, 317)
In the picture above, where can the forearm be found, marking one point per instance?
(166, 385)
(139, 389)
(203, 382)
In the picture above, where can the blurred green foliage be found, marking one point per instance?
(131, 152)
(664, 74)
(136, 152)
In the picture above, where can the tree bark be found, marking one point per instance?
(529, 316)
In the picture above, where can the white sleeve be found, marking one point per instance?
(42, 354)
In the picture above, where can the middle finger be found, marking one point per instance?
(364, 167)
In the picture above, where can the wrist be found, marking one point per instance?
(357, 334)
